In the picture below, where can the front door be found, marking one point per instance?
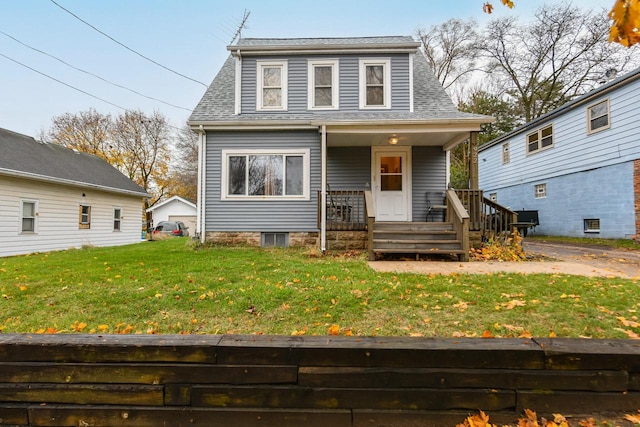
(391, 172)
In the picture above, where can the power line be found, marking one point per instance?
(92, 74)
(127, 47)
(75, 88)
(63, 83)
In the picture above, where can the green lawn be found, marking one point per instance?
(172, 287)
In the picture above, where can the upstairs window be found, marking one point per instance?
(506, 157)
(29, 211)
(271, 86)
(375, 83)
(540, 139)
(598, 117)
(84, 220)
(323, 85)
(266, 175)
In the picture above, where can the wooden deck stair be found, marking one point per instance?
(416, 238)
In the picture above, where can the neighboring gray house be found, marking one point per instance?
(54, 198)
(296, 135)
(578, 166)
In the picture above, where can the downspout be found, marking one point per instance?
(323, 192)
(200, 213)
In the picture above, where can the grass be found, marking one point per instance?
(171, 286)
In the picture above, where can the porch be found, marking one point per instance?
(465, 211)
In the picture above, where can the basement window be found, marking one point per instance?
(540, 191)
(280, 240)
(592, 225)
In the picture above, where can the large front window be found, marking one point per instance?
(375, 83)
(272, 85)
(266, 174)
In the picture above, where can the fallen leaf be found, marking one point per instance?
(334, 330)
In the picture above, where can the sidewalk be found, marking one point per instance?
(564, 259)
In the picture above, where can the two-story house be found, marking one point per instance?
(578, 165)
(306, 141)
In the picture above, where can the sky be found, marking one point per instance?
(189, 37)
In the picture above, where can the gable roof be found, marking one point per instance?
(172, 199)
(581, 100)
(24, 157)
(431, 102)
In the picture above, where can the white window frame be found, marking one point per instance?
(84, 225)
(260, 66)
(35, 216)
(117, 219)
(311, 67)
(506, 154)
(306, 177)
(539, 135)
(386, 90)
(590, 118)
(540, 191)
(493, 197)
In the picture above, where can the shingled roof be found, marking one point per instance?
(431, 102)
(24, 157)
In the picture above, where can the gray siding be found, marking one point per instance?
(348, 85)
(260, 215)
(429, 174)
(348, 168)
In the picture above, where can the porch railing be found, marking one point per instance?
(459, 217)
(485, 215)
(346, 210)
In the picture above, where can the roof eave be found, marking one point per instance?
(43, 178)
(325, 49)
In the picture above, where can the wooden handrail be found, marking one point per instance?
(370, 210)
(459, 218)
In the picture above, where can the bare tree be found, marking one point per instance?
(451, 49)
(185, 167)
(562, 53)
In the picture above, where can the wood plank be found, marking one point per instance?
(65, 415)
(567, 353)
(634, 381)
(419, 352)
(257, 349)
(14, 414)
(144, 373)
(108, 348)
(366, 418)
(462, 378)
(83, 394)
(577, 402)
(351, 398)
(177, 395)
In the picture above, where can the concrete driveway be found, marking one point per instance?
(555, 259)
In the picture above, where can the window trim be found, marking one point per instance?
(538, 132)
(587, 221)
(540, 194)
(306, 177)
(589, 118)
(335, 83)
(506, 154)
(84, 225)
(260, 66)
(386, 90)
(118, 219)
(22, 217)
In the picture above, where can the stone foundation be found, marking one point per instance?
(346, 240)
(245, 238)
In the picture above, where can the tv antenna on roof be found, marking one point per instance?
(242, 25)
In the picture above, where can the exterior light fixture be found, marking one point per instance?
(393, 140)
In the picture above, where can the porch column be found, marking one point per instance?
(473, 161)
(323, 191)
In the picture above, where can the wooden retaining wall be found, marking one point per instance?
(226, 380)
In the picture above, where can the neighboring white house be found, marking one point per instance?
(175, 209)
(578, 165)
(54, 198)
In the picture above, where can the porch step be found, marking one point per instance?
(416, 238)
